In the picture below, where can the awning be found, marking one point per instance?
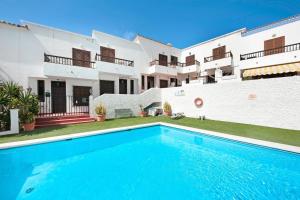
(277, 69)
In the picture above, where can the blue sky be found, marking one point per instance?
(180, 22)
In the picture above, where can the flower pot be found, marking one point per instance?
(101, 118)
(143, 114)
(29, 126)
(169, 113)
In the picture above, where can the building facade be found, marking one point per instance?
(67, 67)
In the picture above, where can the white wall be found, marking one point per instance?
(123, 101)
(277, 102)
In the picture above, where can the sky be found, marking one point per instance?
(180, 22)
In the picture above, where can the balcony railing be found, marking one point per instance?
(67, 61)
(173, 64)
(212, 58)
(118, 61)
(287, 48)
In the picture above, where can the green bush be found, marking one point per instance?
(13, 96)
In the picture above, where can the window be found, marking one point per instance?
(131, 86)
(174, 60)
(219, 52)
(274, 46)
(107, 54)
(41, 90)
(81, 95)
(190, 60)
(81, 57)
(143, 82)
(163, 60)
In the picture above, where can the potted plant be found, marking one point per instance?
(143, 113)
(167, 109)
(28, 109)
(101, 112)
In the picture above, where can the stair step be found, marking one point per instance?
(56, 120)
(39, 125)
(61, 117)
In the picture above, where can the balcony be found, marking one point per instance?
(286, 54)
(157, 68)
(212, 62)
(58, 66)
(113, 65)
(185, 68)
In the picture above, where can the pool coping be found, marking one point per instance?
(262, 143)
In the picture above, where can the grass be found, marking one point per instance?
(285, 136)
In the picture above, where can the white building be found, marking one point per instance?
(66, 67)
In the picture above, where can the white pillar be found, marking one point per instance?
(14, 120)
(91, 106)
(218, 75)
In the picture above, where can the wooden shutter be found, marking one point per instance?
(219, 52)
(81, 57)
(190, 60)
(107, 54)
(273, 46)
(163, 60)
(174, 60)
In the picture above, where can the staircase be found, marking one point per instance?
(62, 120)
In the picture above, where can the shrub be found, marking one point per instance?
(13, 96)
(100, 110)
(9, 99)
(167, 107)
(29, 107)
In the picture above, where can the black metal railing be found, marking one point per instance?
(62, 106)
(257, 54)
(218, 57)
(118, 61)
(173, 64)
(68, 61)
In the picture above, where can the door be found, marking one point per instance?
(219, 52)
(58, 90)
(150, 82)
(190, 60)
(163, 60)
(107, 87)
(122, 86)
(81, 57)
(107, 54)
(174, 82)
(163, 83)
(174, 60)
(131, 86)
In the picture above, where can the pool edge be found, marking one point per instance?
(247, 140)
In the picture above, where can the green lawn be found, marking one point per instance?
(285, 136)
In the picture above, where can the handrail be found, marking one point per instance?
(118, 61)
(177, 64)
(67, 61)
(257, 54)
(212, 58)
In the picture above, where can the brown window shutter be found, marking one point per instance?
(163, 60)
(190, 60)
(81, 57)
(273, 46)
(107, 54)
(219, 52)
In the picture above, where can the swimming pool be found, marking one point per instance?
(156, 162)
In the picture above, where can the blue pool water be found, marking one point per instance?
(157, 162)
